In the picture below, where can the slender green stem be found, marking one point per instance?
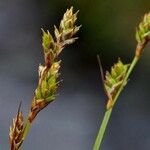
(26, 129)
(134, 62)
(102, 129)
(108, 112)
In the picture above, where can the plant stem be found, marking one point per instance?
(108, 112)
(102, 129)
(132, 65)
(26, 129)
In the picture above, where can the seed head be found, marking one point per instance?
(16, 132)
(49, 72)
(143, 31)
(114, 79)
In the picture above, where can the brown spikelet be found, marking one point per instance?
(16, 131)
(36, 107)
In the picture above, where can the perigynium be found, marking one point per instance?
(46, 90)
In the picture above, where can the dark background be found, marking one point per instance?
(73, 120)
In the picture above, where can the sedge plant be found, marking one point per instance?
(46, 91)
(115, 80)
(48, 83)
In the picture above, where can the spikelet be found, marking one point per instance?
(16, 131)
(143, 31)
(143, 34)
(64, 34)
(114, 79)
(46, 90)
(49, 73)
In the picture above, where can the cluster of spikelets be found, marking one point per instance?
(113, 80)
(143, 34)
(16, 131)
(143, 31)
(48, 74)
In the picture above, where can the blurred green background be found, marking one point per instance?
(72, 122)
(108, 26)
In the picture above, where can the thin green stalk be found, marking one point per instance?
(26, 129)
(102, 129)
(108, 112)
(134, 62)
